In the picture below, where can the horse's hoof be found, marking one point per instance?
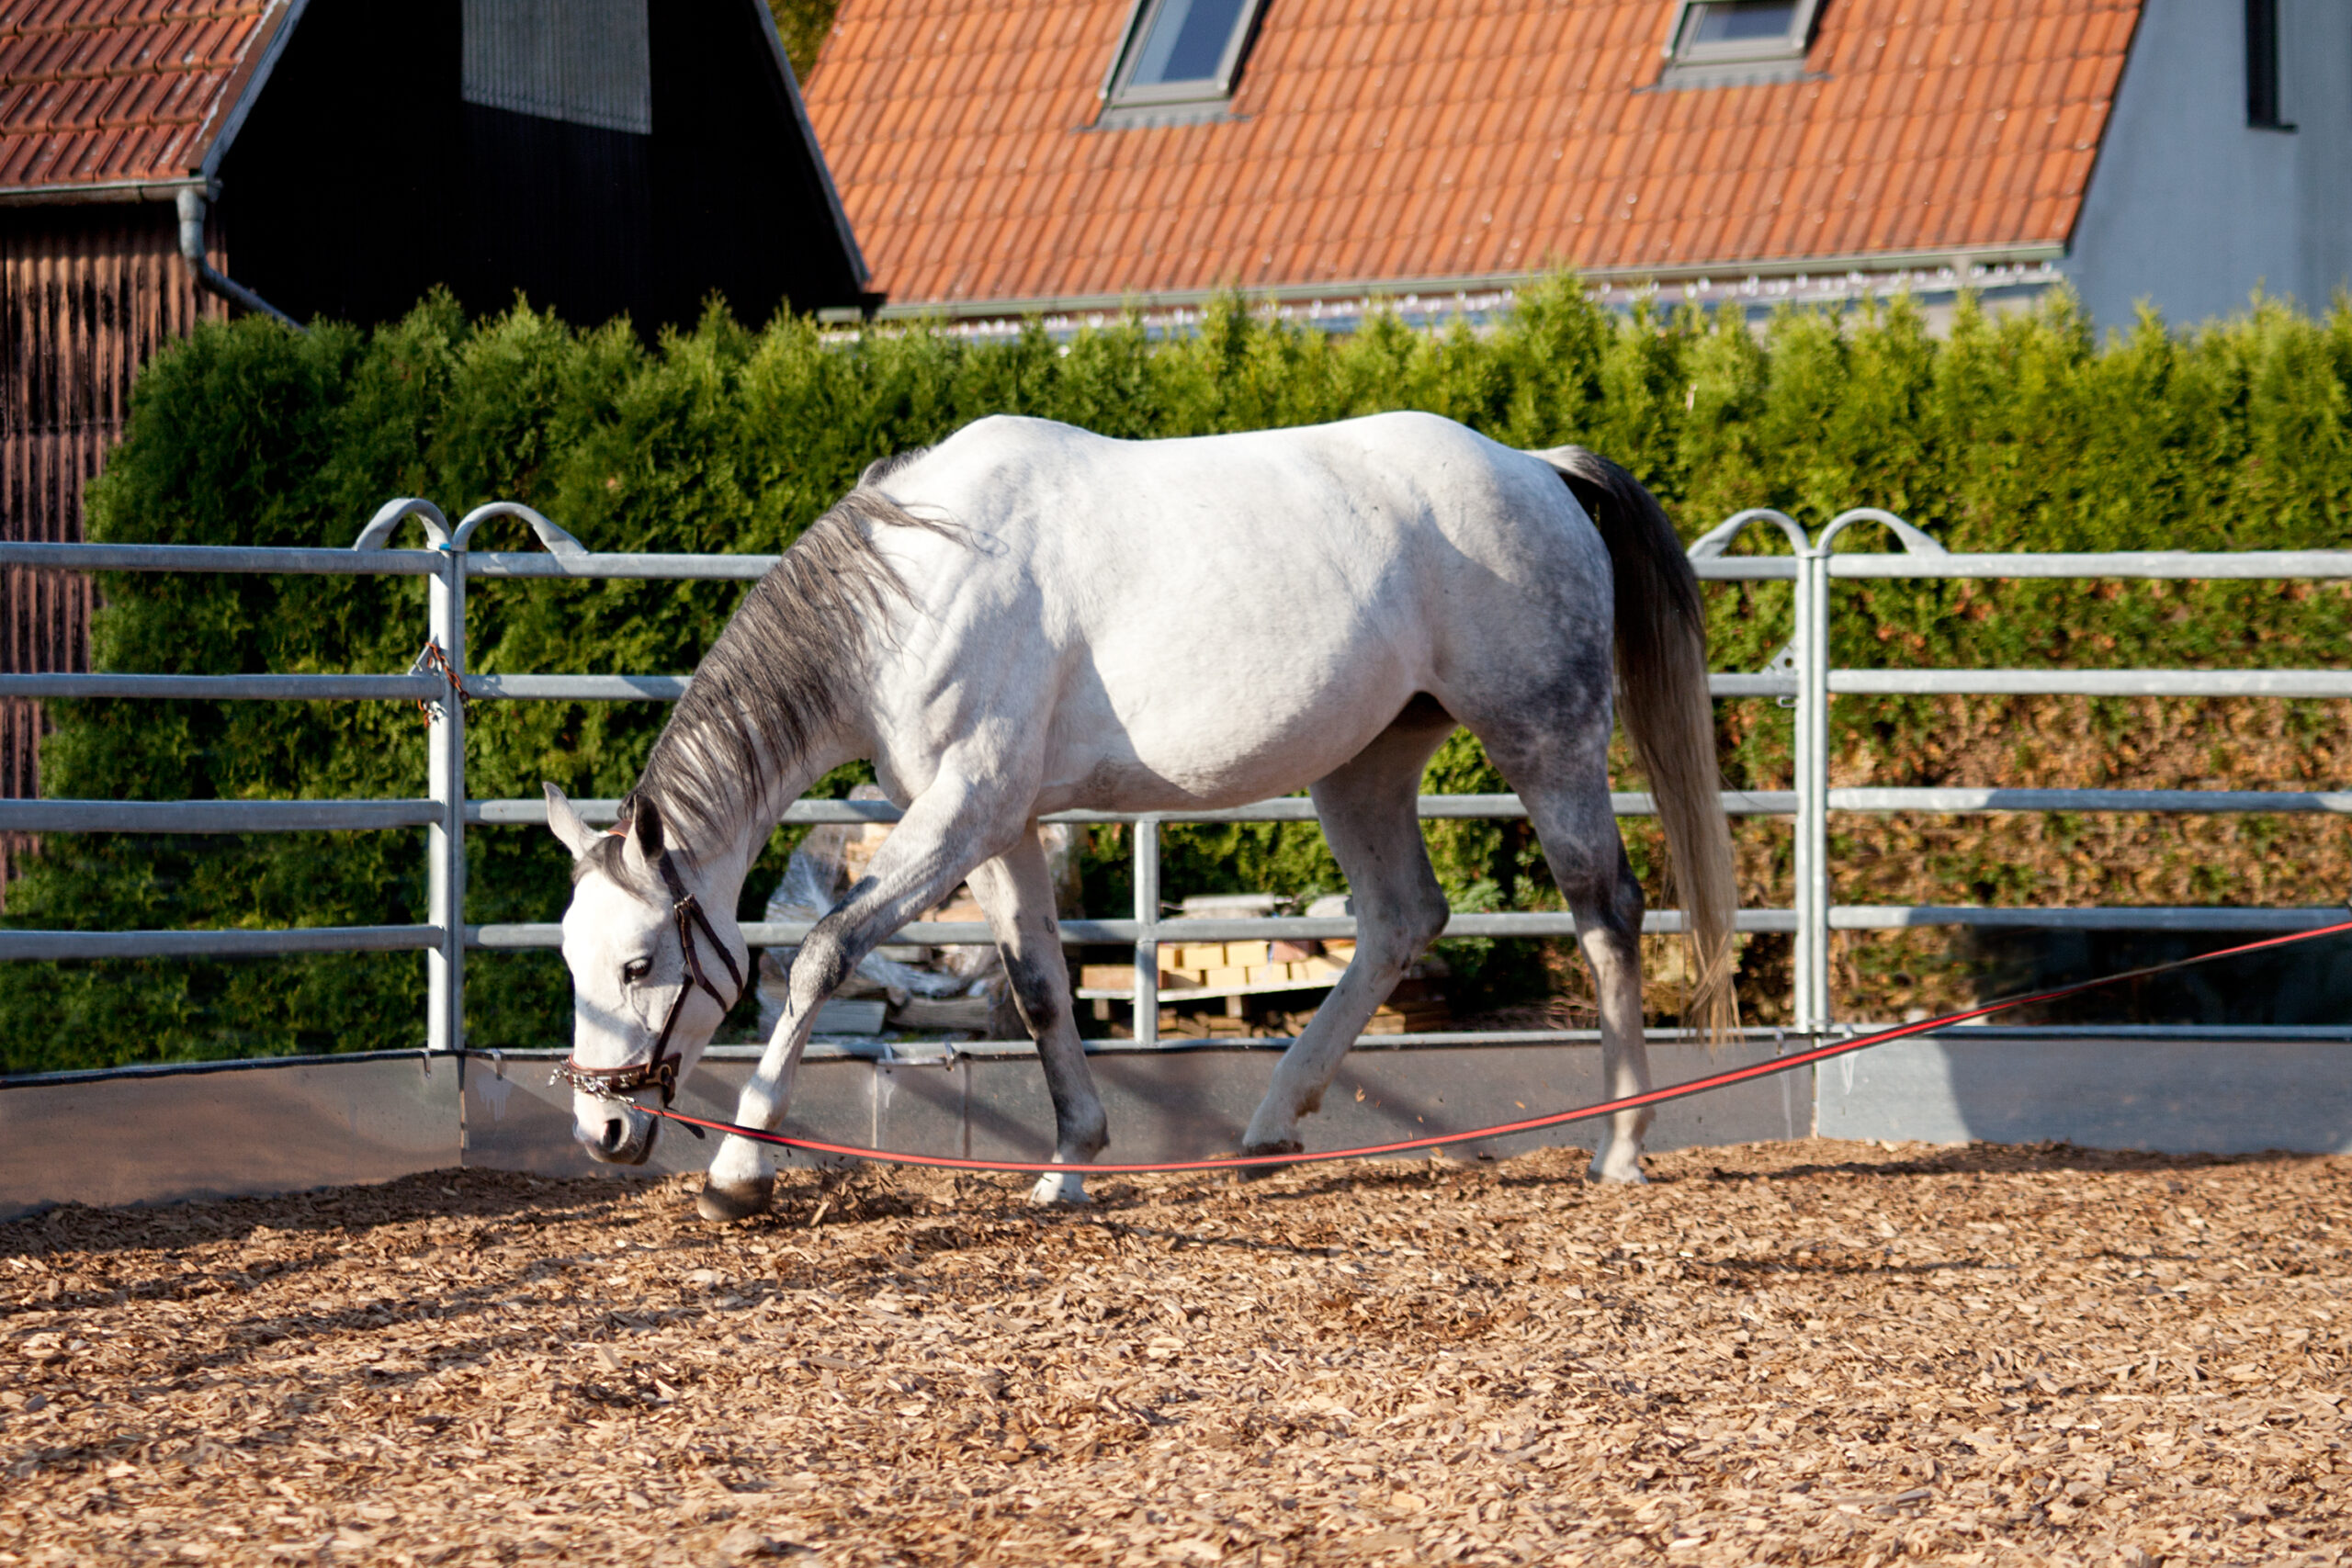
(1607, 1176)
(1260, 1172)
(719, 1205)
(1054, 1187)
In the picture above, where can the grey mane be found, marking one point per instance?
(771, 684)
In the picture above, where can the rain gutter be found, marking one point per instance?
(1959, 258)
(191, 206)
(103, 190)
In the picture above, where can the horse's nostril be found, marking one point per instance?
(616, 1134)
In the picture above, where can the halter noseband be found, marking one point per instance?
(662, 1070)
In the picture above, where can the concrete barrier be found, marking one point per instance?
(171, 1134)
(2210, 1096)
(988, 1100)
(178, 1134)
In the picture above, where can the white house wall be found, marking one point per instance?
(2191, 209)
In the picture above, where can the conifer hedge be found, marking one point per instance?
(2022, 433)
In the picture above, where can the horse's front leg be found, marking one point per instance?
(926, 856)
(1016, 889)
(1370, 820)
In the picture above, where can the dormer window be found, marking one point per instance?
(1178, 61)
(1732, 42)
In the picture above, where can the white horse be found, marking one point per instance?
(1031, 618)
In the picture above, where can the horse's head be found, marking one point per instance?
(653, 975)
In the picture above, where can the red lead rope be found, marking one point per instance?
(1558, 1119)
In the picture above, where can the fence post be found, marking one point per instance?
(1813, 791)
(1808, 650)
(1813, 780)
(445, 841)
(1146, 872)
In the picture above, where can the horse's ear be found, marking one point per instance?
(645, 827)
(566, 824)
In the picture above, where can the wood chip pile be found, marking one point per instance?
(1798, 1352)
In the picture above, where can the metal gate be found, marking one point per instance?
(1801, 677)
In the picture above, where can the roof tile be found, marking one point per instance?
(113, 90)
(1408, 139)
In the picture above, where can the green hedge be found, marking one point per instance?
(2018, 432)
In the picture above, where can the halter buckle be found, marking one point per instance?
(619, 1083)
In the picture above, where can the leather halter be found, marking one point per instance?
(662, 1071)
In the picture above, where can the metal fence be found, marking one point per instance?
(1800, 677)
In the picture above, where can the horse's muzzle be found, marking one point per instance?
(624, 1135)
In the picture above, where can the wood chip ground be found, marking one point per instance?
(1798, 1352)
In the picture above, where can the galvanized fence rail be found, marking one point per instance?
(1800, 678)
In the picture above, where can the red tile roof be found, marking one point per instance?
(97, 92)
(1376, 139)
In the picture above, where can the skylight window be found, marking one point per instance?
(1179, 53)
(1723, 43)
(1738, 24)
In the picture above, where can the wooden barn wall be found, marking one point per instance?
(87, 295)
(722, 198)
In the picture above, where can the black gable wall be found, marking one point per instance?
(565, 214)
(340, 194)
(734, 169)
(361, 180)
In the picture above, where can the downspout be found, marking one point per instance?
(191, 206)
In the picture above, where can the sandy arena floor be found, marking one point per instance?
(1815, 1352)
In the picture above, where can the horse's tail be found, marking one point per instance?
(1663, 703)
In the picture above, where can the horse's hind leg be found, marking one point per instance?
(1016, 889)
(1579, 830)
(1368, 809)
(1609, 923)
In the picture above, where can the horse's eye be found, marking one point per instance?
(635, 970)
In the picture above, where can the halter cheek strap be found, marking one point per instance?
(662, 1071)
